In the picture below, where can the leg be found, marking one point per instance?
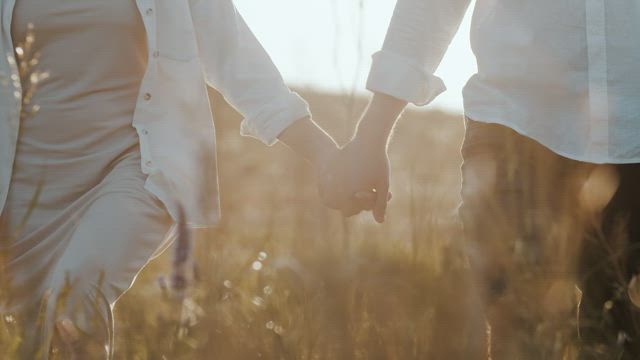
(114, 240)
(609, 321)
(516, 195)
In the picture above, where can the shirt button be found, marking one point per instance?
(149, 11)
(147, 96)
(148, 163)
(145, 132)
(156, 54)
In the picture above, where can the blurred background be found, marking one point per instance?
(327, 44)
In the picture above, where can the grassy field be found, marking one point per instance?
(328, 288)
(284, 278)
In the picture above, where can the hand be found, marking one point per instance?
(357, 179)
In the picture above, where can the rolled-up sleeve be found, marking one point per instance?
(418, 37)
(238, 66)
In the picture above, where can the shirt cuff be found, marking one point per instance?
(397, 76)
(274, 118)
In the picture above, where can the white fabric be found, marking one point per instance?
(191, 43)
(93, 223)
(565, 73)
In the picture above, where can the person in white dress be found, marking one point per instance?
(122, 120)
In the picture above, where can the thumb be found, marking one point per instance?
(380, 208)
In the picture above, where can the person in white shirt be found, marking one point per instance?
(113, 143)
(553, 109)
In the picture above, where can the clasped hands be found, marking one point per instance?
(355, 178)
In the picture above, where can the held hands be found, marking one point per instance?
(351, 179)
(354, 178)
(357, 179)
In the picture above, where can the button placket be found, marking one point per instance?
(144, 132)
(149, 13)
(147, 10)
(144, 147)
(147, 162)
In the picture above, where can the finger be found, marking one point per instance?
(350, 209)
(365, 200)
(370, 195)
(330, 198)
(380, 208)
(365, 195)
(331, 202)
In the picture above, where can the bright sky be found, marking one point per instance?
(315, 43)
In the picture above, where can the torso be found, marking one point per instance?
(95, 54)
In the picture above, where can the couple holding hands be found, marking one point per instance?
(115, 144)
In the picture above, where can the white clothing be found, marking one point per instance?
(563, 72)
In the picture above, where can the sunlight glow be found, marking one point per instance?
(328, 44)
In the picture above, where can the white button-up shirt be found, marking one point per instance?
(563, 72)
(192, 43)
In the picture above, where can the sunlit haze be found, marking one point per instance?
(327, 44)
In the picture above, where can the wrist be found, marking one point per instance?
(373, 131)
(310, 141)
(322, 150)
(378, 121)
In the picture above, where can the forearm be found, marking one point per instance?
(379, 119)
(310, 141)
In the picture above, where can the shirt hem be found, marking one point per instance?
(523, 132)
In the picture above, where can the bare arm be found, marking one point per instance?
(310, 141)
(358, 179)
(402, 72)
(379, 119)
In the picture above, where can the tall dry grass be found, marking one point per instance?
(284, 278)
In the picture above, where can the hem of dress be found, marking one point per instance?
(498, 120)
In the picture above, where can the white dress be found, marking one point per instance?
(93, 220)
